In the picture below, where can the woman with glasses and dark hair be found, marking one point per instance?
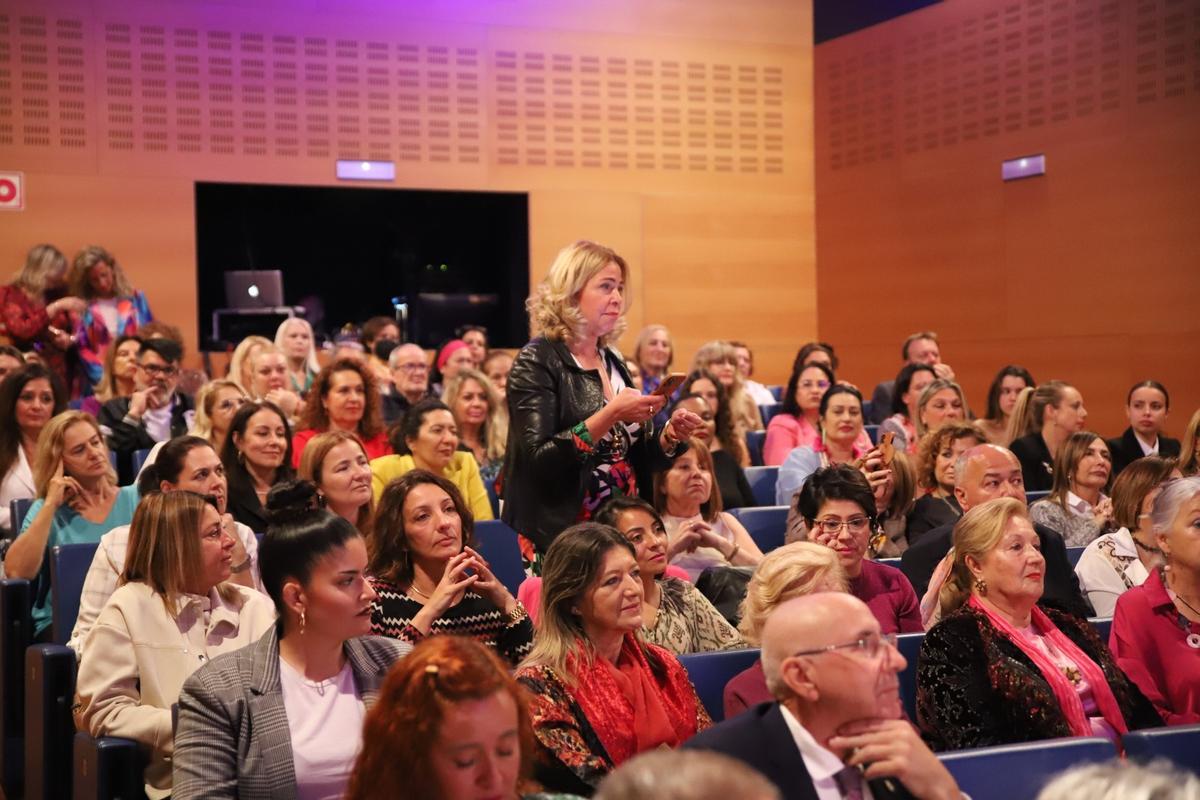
(798, 423)
(1002, 398)
(838, 508)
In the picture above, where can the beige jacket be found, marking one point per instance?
(137, 656)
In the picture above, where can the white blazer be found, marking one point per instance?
(17, 485)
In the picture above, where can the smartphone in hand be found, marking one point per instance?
(670, 384)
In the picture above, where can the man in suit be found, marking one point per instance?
(987, 472)
(836, 729)
(919, 348)
(1146, 407)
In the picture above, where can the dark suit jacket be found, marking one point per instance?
(760, 738)
(1037, 465)
(126, 438)
(1061, 584)
(1125, 449)
(881, 403)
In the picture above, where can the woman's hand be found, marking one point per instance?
(62, 489)
(1103, 512)
(71, 305)
(879, 476)
(692, 534)
(682, 425)
(288, 401)
(487, 585)
(631, 406)
(454, 583)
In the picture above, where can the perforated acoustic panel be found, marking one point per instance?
(1009, 67)
(173, 89)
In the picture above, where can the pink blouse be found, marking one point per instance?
(785, 433)
(1083, 687)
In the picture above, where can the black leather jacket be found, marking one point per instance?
(545, 470)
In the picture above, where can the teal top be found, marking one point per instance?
(69, 527)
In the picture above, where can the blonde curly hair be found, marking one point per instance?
(786, 572)
(553, 307)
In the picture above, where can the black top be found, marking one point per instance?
(1037, 465)
(243, 504)
(731, 480)
(124, 439)
(1061, 585)
(931, 512)
(1126, 450)
(881, 403)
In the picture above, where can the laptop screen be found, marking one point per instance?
(254, 288)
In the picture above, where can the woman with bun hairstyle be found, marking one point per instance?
(283, 717)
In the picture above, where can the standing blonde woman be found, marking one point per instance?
(721, 359)
(296, 341)
(482, 419)
(579, 433)
(216, 404)
(114, 307)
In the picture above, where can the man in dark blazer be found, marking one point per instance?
(984, 473)
(837, 722)
(1146, 406)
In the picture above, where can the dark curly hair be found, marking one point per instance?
(390, 557)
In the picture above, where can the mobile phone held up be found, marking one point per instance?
(669, 384)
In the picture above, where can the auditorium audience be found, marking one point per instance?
(1002, 397)
(156, 411)
(936, 454)
(981, 474)
(118, 377)
(726, 436)
(283, 717)
(1146, 407)
(720, 358)
(1118, 561)
(1155, 633)
(241, 363)
(408, 367)
(910, 384)
(114, 307)
(78, 501)
(257, 455)
(1189, 455)
(1077, 506)
(701, 534)
(600, 695)
(29, 397)
(787, 572)
(338, 465)
(841, 422)
(685, 775)
(1042, 420)
(185, 463)
(270, 381)
(429, 577)
(174, 610)
(379, 336)
(941, 401)
(216, 403)
(294, 338)
(452, 356)
(893, 503)
(998, 668)
(834, 729)
(34, 315)
(427, 439)
(476, 337)
(450, 724)
(674, 614)
(760, 394)
(919, 348)
(731, 478)
(481, 418)
(653, 353)
(343, 397)
(578, 431)
(798, 423)
(496, 366)
(816, 353)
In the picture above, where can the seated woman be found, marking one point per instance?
(257, 455)
(114, 307)
(1146, 407)
(379, 336)
(701, 534)
(78, 502)
(481, 417)
(174, 611)
(599, 694)
(119, 375)
(838, 508)
(1042, 421)
(941, 401)
(270, 381)
(427, 438)
(674, 614)
(726, 437)
(910, 383)
(283, 717)
(496, 366)
(450, 724)
(720, 358)
(241, 363)
(1002, 398)
(1077, 507)
(731, 478)
(452, 356)
(937, 453)
(791, 571)
(216, 403)
(476, 337)
(428, 577)
(29, 397)
(893, 503)
(337, 464)
(997, 668)
(653, 353)
(1156, 627)
(1189, 455)
(841, 433)
(343, 397)
(798, 423)
(1116, 562)
(294, 338)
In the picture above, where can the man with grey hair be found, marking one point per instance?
(987, 472)
(685, 775)
(836, 729)
(409, 369)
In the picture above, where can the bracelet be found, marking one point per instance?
(733, 553)
(517, 614)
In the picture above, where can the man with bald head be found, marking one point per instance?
(836, 729)
(409, 368)
(983, 473)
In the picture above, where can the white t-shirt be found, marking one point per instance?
(325, 721)
(107, 310)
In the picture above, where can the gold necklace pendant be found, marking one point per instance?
(1073, 674)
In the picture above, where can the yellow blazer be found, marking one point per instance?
(462, 471)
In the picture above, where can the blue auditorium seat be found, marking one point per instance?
(872, 432)
(1033, 497)
(762, 482)
(68, 567)
(49, 725)
(1180, 744)
(17, 510)
(1103, 626)
(754, 443)
(16, 633)
(107, 769)
(776, 392)
(1073, 555)
(139, 460)
(1021, 770)
(709, 672)
(769, 411)
(766, 525)
(498, 544)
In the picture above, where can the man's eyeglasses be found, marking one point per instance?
(412, 367)
(157, 369)
(868, 645)
(830, 528)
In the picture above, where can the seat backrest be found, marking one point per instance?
(767, 525)
(68, 567)
(709, 672)
(139, 460)
(1103, 626)
(754, 443)
(17, 510)
(498, 544)
(872, 432)
(1073, 554)
(1021, 770)
(1179, 743)
(762, 482)
(16, 632)
(909, 645)
(776, 392)
(1033, 497)
(769, 411)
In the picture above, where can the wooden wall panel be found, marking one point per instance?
(1086, 274)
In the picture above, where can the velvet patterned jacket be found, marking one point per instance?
(976, 688)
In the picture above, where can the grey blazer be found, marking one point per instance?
(233, 739)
